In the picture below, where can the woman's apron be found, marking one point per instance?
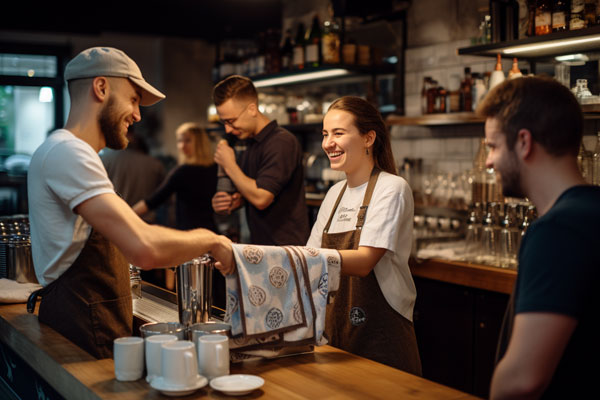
(360, 320)
(90, 303)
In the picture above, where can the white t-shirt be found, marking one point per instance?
(388, 225)
(64, 172)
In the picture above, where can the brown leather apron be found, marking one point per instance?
(360, 320)
(90, 303)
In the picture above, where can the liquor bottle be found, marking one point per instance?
(273, 56)
(479, 89)
(224, 182)
(330, 42)
(441, 100)
(531, 17)
(432, 94)
(543, 17)
(590, 12)
(497, 75)
(313, 44)
(559, 16)
(298, 57)
(287, 51)
(577, 18)
(515, 72)
(424, 90)
(478, 174)
(261, 63)
(466, 92)
(523, 18)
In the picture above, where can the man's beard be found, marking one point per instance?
(511, 179)
(110, 126)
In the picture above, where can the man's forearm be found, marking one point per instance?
(259, 198)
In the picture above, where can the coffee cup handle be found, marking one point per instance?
(190, 359)
(220, 357)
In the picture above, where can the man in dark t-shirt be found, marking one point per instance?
(549, 342)
(270, 177)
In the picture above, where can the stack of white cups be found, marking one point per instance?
(154, 354)
(173, 366)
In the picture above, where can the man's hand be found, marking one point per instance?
(223, 253)
(224, 155)
(224, 203)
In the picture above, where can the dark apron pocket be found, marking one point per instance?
(111, 319)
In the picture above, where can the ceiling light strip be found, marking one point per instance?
(542, 46)
(301, 77)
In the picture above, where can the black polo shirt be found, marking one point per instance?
(274, 159)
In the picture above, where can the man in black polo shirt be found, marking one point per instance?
(270, 176)
(533, 130)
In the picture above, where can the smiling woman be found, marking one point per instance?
(368, 218)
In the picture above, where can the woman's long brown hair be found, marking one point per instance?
(366, 119)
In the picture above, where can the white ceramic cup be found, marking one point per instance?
(213, 355)
(129, 358)
(154, 354)
(179, 367)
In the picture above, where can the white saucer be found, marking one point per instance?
(237, 385)
(167, 389)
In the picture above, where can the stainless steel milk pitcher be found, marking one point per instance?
(194, 290)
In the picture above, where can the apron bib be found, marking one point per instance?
(360, 320)
(90, 303)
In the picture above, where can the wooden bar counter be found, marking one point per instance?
(495, 279)
(327, 373)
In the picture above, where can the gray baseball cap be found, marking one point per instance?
(108, 61)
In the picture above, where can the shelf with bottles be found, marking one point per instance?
(312, 52)
(542, 46)
(317, 74)
(455, 118)
(590, 112)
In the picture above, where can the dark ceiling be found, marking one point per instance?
(204, 19)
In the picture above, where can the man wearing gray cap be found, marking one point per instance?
(83, 235)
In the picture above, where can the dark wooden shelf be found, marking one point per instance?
(556, 43)
(458, 118)
(590, 112)
(353, 71)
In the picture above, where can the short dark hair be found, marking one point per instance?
(234, 86)
(367, 118)
(542, 105)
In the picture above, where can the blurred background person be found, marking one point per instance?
(193, 182)
(134, 173)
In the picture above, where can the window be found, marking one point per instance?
(31, 96)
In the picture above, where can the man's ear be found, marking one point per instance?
(524, 144)
(253, 109)
(100, 88)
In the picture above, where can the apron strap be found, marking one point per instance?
(362, 212)
(335, 206)
(32, 300)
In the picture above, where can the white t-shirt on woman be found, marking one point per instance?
(388, 225)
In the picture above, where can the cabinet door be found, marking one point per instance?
(489, 312)
(443, 321)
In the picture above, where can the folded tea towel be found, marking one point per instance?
(278, 295)
(15, 292)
